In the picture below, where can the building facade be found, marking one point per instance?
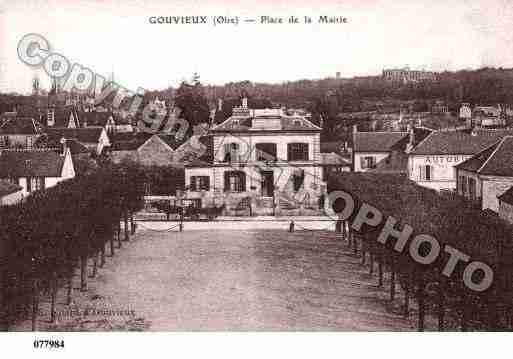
(262, 160)
(35, 170)
(432, 162)
(486, 176)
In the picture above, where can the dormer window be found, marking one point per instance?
(297, 123)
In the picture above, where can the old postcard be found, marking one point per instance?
(266, 166)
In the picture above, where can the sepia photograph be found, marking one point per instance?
(261, 167)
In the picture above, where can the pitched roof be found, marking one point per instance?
(21, 126)
(280, 121)
(30, 163)
(206, 158)
(84, 135)
(507, 196)
(459, 142)
(94, 118)
(376, 141)
(334, 159)
(7, 188)
(132, 141)
(496, 160)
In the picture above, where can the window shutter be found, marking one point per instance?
(363, 163)
(193, 183)
(242, 177)
(226, 181)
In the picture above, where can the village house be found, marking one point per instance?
(506, 205)
(10, 193)
(431, 163)
(35, 170)
(146, 149)
(94, 138)
(334, 164)
(20, 132)
(262, 160)
(488, 116)
(487, 175)
(370, 148)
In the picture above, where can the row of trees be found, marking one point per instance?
(451, 220)
(44, 239)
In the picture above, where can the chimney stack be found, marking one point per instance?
(245, 102)
(411, 141)
(50, 117)
(220, 104)
(355, 128)
(64, 146)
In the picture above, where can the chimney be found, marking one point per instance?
(411, 141)
(50, 117)
(244, 102)
(355, 128)
(64, 146)
(220, 104)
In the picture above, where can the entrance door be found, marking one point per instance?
(267, 183)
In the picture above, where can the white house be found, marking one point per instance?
(95, 138)
(432, 162)
(10, 193)
(264, 159)
(19, 132)
(35, 170)
(370, 148)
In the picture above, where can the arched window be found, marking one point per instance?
(234, 181)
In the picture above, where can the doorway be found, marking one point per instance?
(267, 183)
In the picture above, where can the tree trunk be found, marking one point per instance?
(112, 251)
(422, 308)
(102, 256)
(380, 270)
(95, 265)
(407, 300)
(53, 297)
(70, 287)
(355, 245)
(132, 223)
(119, 234)
(371, 263)
(392, 281)
(464, 315)
(126, 226)
(35, 304)
(83, 273)
(441, 307)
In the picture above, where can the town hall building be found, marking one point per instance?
(261, 162)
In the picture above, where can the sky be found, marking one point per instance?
(116, 36)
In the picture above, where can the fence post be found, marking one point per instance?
(291, 226)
